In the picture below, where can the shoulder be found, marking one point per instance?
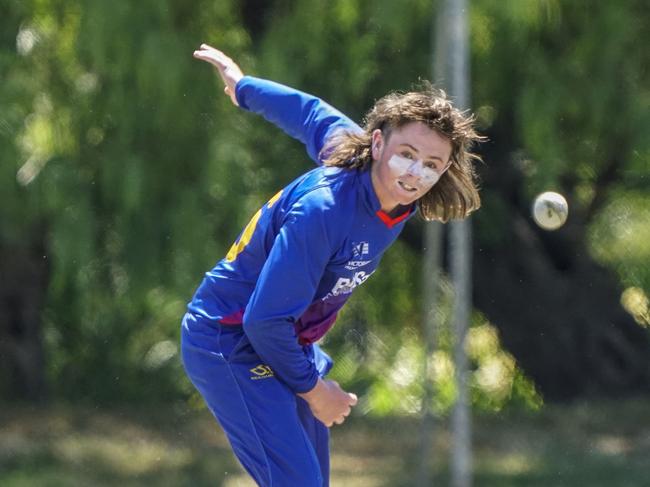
(328, 188)
(326, 197)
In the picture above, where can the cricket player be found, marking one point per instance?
(249, 337)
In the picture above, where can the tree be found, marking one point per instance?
(127, 169)
(23, 263)
(112, 179)
(571, 117)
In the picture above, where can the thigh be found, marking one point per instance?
(259, 416)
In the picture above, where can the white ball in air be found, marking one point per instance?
(550, 210)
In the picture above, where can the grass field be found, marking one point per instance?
(603, 444)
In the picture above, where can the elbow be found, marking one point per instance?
(255, 327)
(261, 329)
(248, 324)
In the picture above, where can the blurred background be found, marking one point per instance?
(125, 174)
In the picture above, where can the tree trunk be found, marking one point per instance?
(24, 271)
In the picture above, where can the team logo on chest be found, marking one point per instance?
(359, 249)
(360, 253)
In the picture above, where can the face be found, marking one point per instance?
(408, 163)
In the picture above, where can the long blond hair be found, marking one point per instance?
(455, 195)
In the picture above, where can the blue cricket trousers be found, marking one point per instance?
(272, 431)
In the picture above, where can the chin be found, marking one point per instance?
(407, 201)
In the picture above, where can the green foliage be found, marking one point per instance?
(145, 173)
(119, 147)
(620, 236)
(579, 102)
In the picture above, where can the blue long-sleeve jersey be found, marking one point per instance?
(303, 253)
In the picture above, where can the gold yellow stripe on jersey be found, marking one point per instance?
(247, 234)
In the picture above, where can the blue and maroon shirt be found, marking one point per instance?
(303, 253)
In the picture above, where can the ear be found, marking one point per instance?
(377, 144)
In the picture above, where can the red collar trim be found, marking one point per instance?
(391, 222)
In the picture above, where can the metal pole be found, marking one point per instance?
(452, 65)
(431, 274)
(461, 455)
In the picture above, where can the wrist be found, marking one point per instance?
(315, 391)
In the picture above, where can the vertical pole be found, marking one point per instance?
(452, 66)
(461, 455)
(431, 274)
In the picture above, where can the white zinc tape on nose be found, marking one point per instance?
(402, 165)
(426, 174)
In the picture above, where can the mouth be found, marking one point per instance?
(406, 187)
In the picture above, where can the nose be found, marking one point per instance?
(414, 169)
(422, 174)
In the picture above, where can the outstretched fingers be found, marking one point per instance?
(228, 69)
(213, 56)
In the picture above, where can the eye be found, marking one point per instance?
(432, 165)
(406, 154)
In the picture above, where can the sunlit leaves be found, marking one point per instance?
(636, 302)
(620, 236)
